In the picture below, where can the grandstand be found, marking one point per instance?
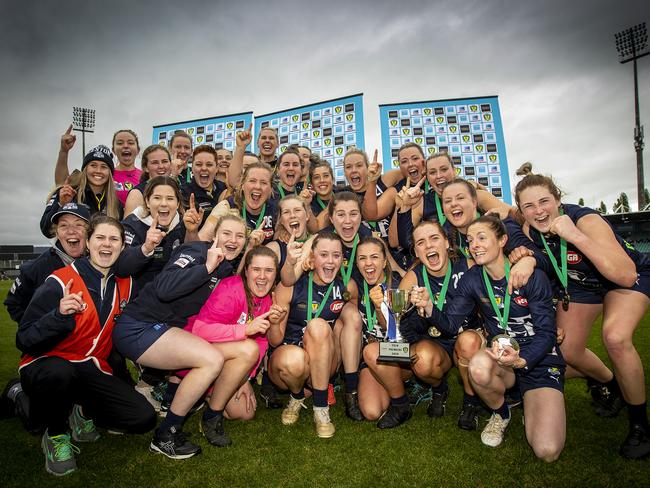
(634, 227)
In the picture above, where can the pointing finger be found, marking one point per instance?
(418, 185)
(376, 155)
(67, 132)
(154, 222)
(68, 288)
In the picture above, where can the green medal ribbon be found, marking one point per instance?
(440, 302)
(259, 219)
(461, 247)
(347, 272)
(371, 317)
(560, 271)
(441, 216)
(322, 204)
(503, 320)
(310, 298)
(427, 187)
(373, 224)
(281, 190)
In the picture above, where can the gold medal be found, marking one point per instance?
(346, 296)
(434, 332)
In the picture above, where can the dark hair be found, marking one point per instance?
(493, 222)
(443, 154)
(205, 148)
(144, 159)
(408, 145)
(100, 218)
(326, 236)
(285, 153)
(388, 272)
(163, 181)
(254, 252)
(530, 179)
(319, 163)
(342, 196)
(135, 136)
(452, 252)
(467, 184)
(180, 133)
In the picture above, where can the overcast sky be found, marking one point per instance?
(566, 102)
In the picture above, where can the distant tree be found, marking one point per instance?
(622, 205)
(603, 208)
(581, 202)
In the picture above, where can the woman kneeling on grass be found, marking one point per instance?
(65, 337)
(525, 314)
(150, 329)
(304, 339)
(235, 320)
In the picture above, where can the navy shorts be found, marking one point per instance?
(642, 284)
(133, 337)
(587, 295)
(541, 376)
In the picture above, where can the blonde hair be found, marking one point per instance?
(112, 202)
(281, 232)
(239, 192)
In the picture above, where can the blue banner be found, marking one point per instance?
(468, 129)
(328, 128)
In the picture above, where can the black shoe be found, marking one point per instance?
(213, 431)
(269, 394)
(7, 399)
(352, 409)
(173, 444)
(469, 415)
(395, 416)
(637, 443)
(437, 404)
(608, 402)
(418, 393)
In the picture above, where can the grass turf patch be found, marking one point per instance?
(422, 452)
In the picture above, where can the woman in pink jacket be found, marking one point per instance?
(235, 319)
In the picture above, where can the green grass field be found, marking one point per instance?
(423, 452)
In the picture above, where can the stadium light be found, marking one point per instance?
(630, 43)
(83, 120)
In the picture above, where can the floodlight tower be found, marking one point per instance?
(630, 43)
(84, 121)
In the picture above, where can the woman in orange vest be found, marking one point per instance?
(66, 338)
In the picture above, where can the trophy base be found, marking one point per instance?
(394, 352)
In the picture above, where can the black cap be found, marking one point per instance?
(79, 209)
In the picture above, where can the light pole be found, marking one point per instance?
(629, 44)
(84, 121)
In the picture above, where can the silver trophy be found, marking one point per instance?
(394, 350)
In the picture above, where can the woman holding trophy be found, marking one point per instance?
(520, 322)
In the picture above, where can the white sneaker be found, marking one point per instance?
(291, 412)
(494, 431)
(324, 426)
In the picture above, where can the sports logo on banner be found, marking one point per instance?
(468, 129)
(328, 128)
(219, 132)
